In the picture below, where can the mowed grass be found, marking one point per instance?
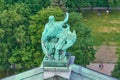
(105, 28)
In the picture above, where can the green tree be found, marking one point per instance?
(3, 5)
(93, 2)
(116, 71)
(114, 3)
(34, 5)
(28, 53)
(13, 19)
(102, 3)
(77, 4)
(83, 48)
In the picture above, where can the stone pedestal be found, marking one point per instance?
(61, 73)
(57, 68)
(56, 63)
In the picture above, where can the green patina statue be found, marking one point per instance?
(57, 38)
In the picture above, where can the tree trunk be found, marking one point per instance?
(7, 73)
(78, 9)
(91, 8)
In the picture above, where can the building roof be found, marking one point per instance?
(77, 73)
(33, 74)
(82, 73)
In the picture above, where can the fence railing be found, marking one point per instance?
(97, 8)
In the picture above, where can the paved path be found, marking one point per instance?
(106, 69)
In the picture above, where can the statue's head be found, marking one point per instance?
(51, 18)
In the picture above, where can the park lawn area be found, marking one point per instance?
(105, 28)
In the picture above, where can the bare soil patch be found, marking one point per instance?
(109, 29)
(106, 54)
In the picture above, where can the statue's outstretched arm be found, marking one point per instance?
(66, 18)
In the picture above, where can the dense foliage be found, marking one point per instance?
(116, 71)
(21, 25)
(30, 55)
(13, 22)
(15, 46)
(83, 48)
(34, 5)
(76, 5)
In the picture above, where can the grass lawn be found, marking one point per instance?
(105, 28)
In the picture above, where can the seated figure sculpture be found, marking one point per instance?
(57, 38)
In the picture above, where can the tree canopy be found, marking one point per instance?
(13, 22)
(21, 26)
(30, 55)
(83, 48)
